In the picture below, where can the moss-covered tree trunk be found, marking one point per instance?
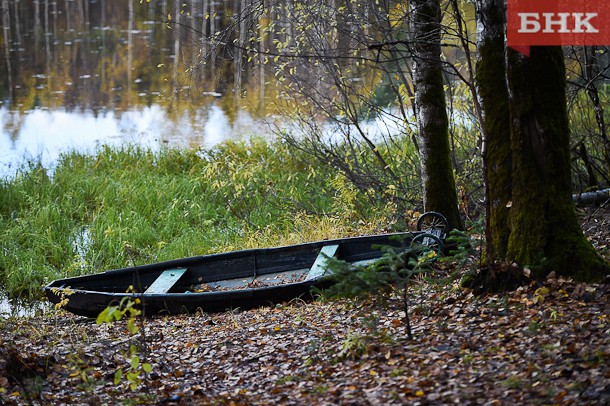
(545, 233)
(531, 220)
(433, 129)
(493, 93)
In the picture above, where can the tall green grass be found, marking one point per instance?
(120, 207)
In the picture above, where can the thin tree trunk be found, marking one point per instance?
(86, 12)
(18, 39)
(68, 16)
(37, 25)
(81, 13)
(152, 13)
(151, 18)
(212, 36)
(241, 39)
(194, 36)
(6, 26)
(581, 151)
(205, 7)
(588, 72)
(433, 125)
(47, 43)
(37, 21)
(177, 30)
(54, 13)
(129, 47)
(104, 48)
(261, 67)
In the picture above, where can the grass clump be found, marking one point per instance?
(129, 206)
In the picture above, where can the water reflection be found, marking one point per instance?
(80, 73)
(42, 135)
(13, 307)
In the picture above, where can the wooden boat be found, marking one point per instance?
(240, 279)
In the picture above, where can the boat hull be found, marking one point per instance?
(240, 279)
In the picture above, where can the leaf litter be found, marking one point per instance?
(545, 343)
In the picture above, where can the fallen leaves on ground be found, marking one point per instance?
(595, 223)
(544, 343)
(540, 344)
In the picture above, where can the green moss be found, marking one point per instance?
(545, 234)
(491, 74)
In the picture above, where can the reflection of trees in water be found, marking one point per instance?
(74, 54)
(113, 54)
(6, 35)
(13, 121)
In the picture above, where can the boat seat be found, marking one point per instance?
(319, 266)
(166, 281)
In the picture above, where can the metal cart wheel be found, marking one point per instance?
(427, 242)
(433, 222)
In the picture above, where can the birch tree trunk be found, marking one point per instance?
(433, 129)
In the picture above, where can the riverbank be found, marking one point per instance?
(541, 344)
(131, 206)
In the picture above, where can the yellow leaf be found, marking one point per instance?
(419, 393)
(16, 394)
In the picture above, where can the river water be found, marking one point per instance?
(43, 134)
(78, 74)
(11, 307)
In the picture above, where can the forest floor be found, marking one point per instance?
(545, 343)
